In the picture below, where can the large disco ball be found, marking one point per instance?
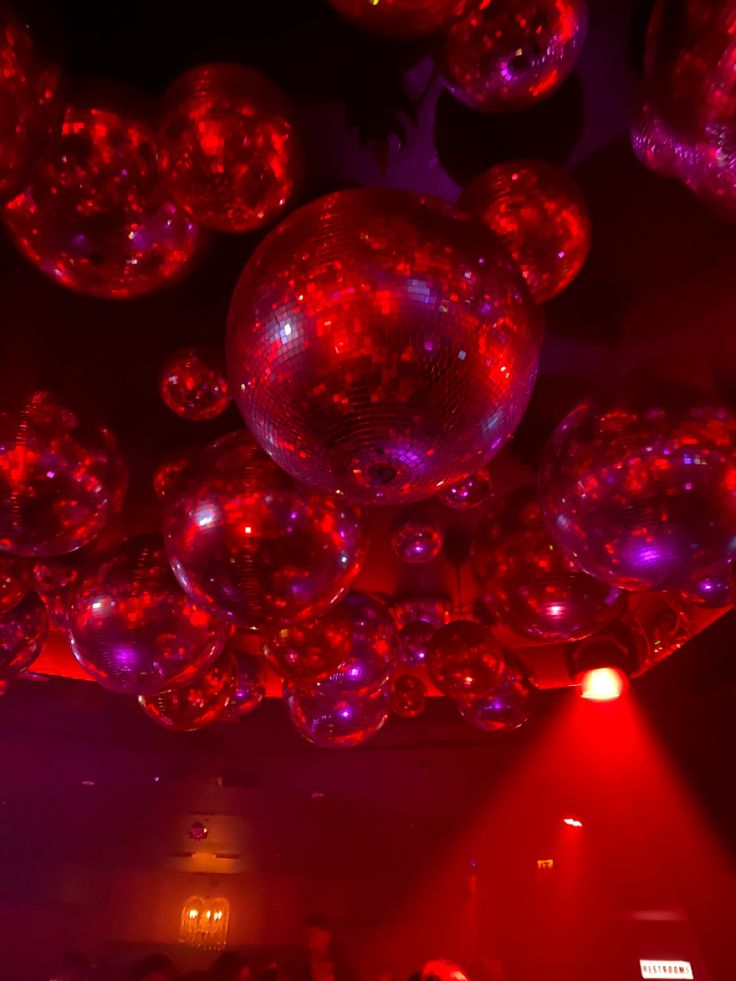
(93, 217)
(336, 721)
(509, 54)
(507, 707)
(30, 106)
(399, 18)
(23, 630)
(132, 628)
(61, 478)
(199, 702)
(684, 127)
(193, 384)
(638, 487)
(309, 651)
(529, 583)
(372, 648)
(381, 346)
(252, 547)
(16, 578)
(465, 660)
(250, 685)
(230, 149)
(540, 216)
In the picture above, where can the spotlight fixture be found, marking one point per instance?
(601, 665)
(572, 822)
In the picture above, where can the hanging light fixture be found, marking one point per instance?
(204, 922)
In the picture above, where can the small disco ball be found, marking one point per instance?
(435, 610)
(713, 591)
(381, 346)
(198, 831)
(665, 621)
(414, 639)
(507, 707)
(16, 578)
(465, 660)
(93, 217)
(131, 626)
(417, 538)
(252, 547)
(372, 648)
(61, 478)
(408, 696)
(541, 217)
(229, 147)
(528, 583)
(23, 631)
(193, 384)
(399, 18)
(199, 702)
(468, 492)
(337, 721)
(509, 54)
(637, 487)
(250, 687)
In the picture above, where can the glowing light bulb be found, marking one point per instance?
(572, 822)
(603, 684)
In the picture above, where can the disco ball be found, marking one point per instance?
(414, 639)
(510, 54)
(193, 384)
(468, 492)
(53, 580)
(432, 609)
(637, 487)
(540, 216)
(399, 18)
(465, 660)
(167, 473)
(132, 628)
(250, 546)
(666, 623)
(380, 345)
(336, 721)
(507, 707)
(230, 150)
(61, 478)
(372, 651)
(309, 651)
(684, 127)
(713, 591)
(93, 217)
(408, 696)
(528, 583)
(16, 578)
(417, 537)
(199, 702)
(30, 105)
(23, 630)
(250, 687)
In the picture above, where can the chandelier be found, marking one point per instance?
(204, 922)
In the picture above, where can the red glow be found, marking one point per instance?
(603, 684)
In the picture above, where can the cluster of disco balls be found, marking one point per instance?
(381, 349)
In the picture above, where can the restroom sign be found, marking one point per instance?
(667, 969)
